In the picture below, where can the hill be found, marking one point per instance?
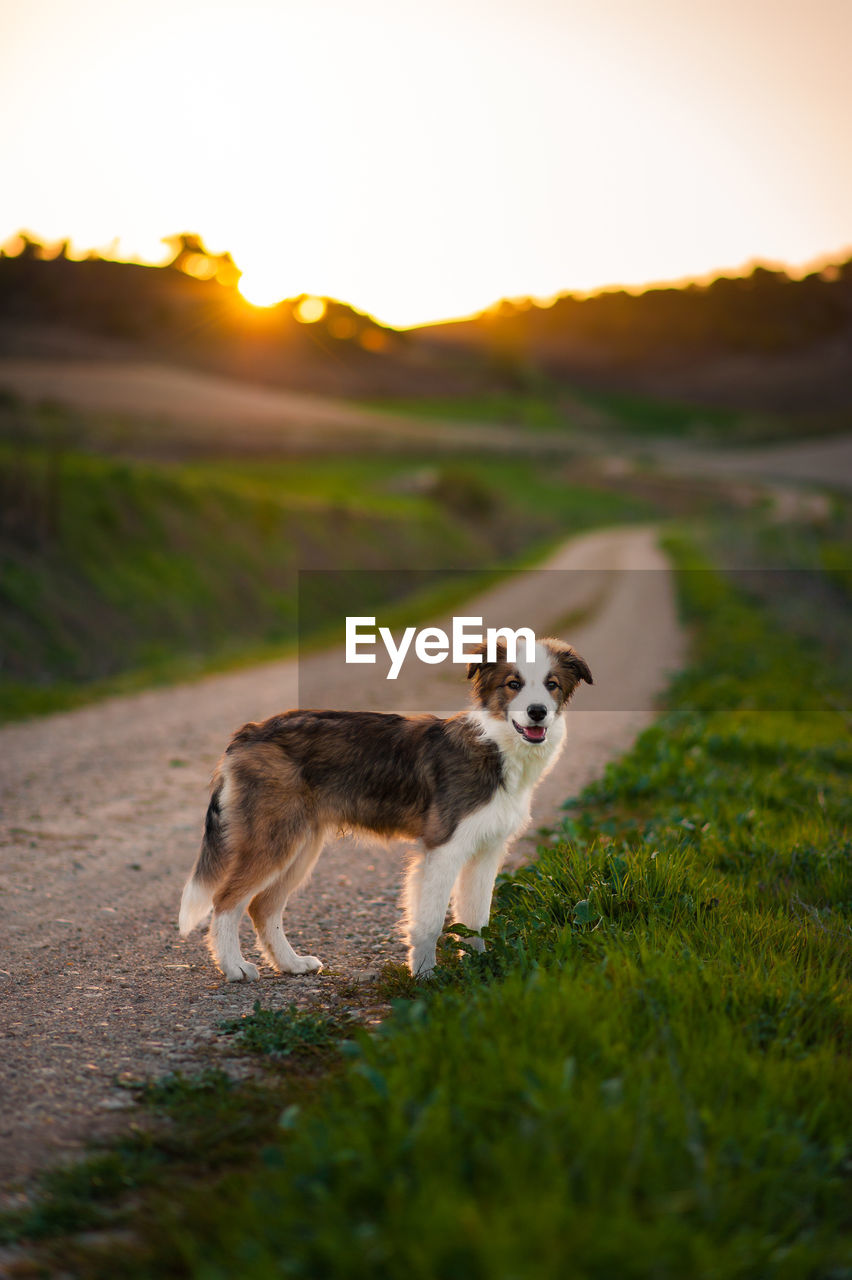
(97, 309)
(763, 340)
(759, 341)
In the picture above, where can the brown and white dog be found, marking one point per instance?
(460, 787)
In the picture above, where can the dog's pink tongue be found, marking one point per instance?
(535, 733)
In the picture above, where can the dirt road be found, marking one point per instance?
(802, 462)
(101, 815)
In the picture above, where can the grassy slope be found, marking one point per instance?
(538, 409)
(632, 414)
(623, 416)
(647, 1075)
(115, 574)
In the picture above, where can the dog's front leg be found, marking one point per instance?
(430, 882)
(474, 888)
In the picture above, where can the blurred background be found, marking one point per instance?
(404, 287)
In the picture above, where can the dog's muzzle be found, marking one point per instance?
(531, 732)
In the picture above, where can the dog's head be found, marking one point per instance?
(528, 695)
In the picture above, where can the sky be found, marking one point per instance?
(420, 160)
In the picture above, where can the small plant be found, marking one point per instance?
(282, 1033)
(395, 982)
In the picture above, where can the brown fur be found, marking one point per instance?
(287, 783)
(303, 773)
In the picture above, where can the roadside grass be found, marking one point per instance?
(646, 1073)
(801, 571)
(192, 1127)
(115, 575)
(202, 1124)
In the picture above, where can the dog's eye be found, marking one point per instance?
(551, 684)
(513, 684)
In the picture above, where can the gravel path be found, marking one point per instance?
(100, 816)
(819, 461)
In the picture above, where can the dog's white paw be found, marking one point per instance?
(245, 971)
(421, 961)
(304, 964)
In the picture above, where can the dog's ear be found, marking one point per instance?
(570, 661)
(479, 668)
(578, 667)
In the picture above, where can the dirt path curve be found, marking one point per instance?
(819, 461)
(101, 815)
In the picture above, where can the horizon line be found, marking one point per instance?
(795, 271)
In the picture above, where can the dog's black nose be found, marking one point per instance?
(536, 711)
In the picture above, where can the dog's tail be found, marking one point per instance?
(198, 891)
(194, 905)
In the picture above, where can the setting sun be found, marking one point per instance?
(452, 154)
(259, 292)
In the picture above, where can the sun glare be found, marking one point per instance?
(547, 157)
(309, 310)
(264, 293)
(259, 292)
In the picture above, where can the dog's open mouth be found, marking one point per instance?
(532, 732)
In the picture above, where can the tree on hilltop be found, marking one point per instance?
(193, 258)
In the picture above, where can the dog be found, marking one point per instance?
(460, 787)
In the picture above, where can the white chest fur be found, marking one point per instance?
(508, 811)
(468, 863)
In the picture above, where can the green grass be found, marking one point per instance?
(282, 1033)
(636, 414)
(207, 1118)
(116, 574)
(538, 410)
(803, 574)
(646, 1074)
(644, 415)
(621, 415)
(628, 412)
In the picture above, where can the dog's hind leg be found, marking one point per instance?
(473, 890)
(246, 881)
(224, 942)
(266, 910)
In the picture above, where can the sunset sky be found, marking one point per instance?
(420, 160)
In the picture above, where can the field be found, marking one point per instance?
(137, 551)
(118, 572)
(621, 417)
(646, 1074)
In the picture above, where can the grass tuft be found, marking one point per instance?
(283, 1033)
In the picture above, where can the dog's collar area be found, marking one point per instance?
(531, 732)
